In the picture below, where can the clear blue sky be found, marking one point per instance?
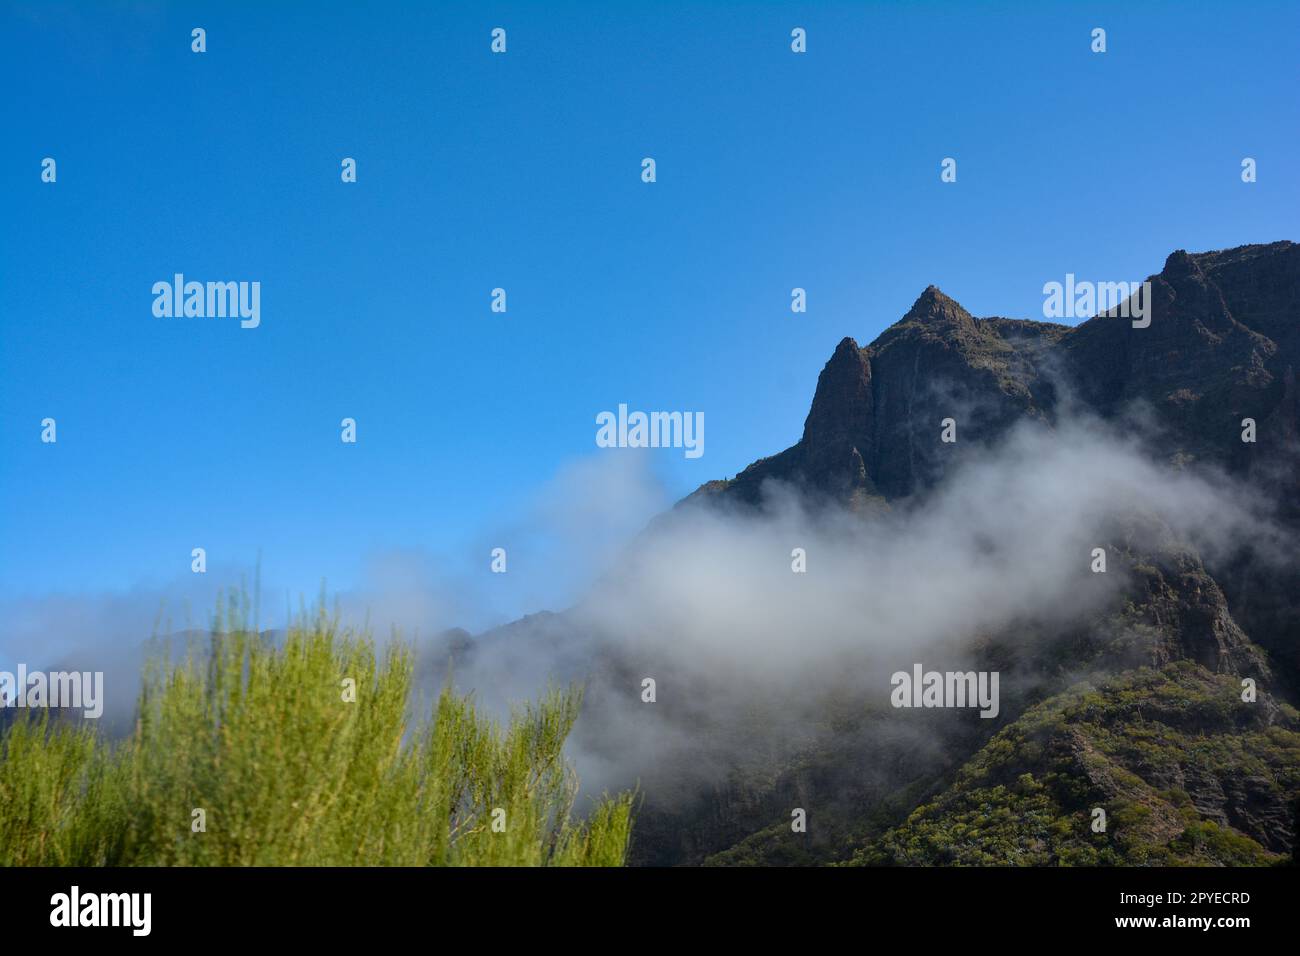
(775, 170)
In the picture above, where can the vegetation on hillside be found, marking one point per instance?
(1186, 772)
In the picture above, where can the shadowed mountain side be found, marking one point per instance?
(773, 687)
(1223, 344)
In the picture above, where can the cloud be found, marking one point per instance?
(745, 653)
(706, 602)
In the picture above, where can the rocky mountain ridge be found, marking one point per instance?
(1134, 706)
(1223, 344)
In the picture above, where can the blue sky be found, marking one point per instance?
(522, 171)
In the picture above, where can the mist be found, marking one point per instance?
(746, 654)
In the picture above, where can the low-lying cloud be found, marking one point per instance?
(742, 649)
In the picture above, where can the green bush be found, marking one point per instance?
(289, 773)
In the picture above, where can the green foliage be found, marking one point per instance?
(289, 773)
(1026, 798)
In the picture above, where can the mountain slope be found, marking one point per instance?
(1223, 344)
(1130, 701)
(1184, 770)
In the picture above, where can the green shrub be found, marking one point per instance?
(289, 773)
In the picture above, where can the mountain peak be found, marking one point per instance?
(1229, 342)
(933, 307)
(848, 346)
(1179, 263)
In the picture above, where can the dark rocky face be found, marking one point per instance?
(1133, 705)
(1223, 345)
(1162, 738)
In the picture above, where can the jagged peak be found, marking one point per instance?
(1180, 263)
(842, 400)
(848, 346)
(932, 307)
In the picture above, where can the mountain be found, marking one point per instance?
(1223, 344)
(1138, 703)
(1186, 775)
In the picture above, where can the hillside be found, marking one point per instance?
(1119, 691)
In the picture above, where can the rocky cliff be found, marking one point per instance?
(1139, 708)
(1223, 344)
